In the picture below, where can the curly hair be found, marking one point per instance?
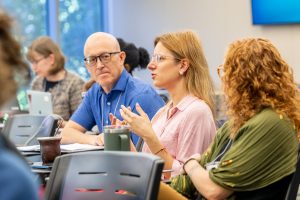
(13, 69)
(257, 77)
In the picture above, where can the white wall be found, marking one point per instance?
(218, 22)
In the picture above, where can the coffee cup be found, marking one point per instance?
(116, 138)
(50, 148)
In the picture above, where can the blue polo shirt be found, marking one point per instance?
(96, 105)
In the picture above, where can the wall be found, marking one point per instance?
(218, 22)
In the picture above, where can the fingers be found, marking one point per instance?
(140, 110)
(99, 140)
(126, 113)
(113, 119)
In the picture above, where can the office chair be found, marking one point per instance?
(18, 128)
(23, 129)
(105, 175)
(292, 191)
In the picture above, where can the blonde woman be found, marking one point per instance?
(186, 125)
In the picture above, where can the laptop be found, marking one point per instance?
(40, 103)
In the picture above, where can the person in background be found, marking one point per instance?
(186, 125)
(135, 57)
(48, 62)
(254, 154)
(16, 179)
(115, 87)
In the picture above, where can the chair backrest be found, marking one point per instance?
(292, 191)
(19, 128)
(105, 175)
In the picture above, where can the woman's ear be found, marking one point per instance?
(51, 57)
(185, 64)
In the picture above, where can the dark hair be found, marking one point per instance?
(135, 57)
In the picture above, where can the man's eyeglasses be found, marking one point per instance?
(104, 58)
(220, 71)
(157, 58)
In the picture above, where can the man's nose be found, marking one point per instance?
(99, 64)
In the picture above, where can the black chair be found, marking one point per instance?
(23, 129)
(105, 175)
(292, 191)
(19, 128)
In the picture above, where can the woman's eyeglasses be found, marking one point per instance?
(35, 62)
(157, 58)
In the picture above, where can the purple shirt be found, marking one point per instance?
(184, 130)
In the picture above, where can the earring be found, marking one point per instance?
(181, 73)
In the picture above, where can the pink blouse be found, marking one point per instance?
(184, 130)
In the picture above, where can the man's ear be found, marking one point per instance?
(185, 64)
(122, 56)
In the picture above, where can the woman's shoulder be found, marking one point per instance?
(73, 79)
(269, 117)
(195, 106)
(268, 122)
(37, 83)
(73, 76)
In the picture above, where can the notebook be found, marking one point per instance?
(40, 103)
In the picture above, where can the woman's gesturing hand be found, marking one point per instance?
(139, 123)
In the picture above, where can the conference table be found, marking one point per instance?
(33, 157)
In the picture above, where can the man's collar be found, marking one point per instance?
(121, 83)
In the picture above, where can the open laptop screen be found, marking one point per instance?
(40, 103)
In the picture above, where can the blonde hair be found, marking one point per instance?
(256, 77)
(186, 44)
(45, 46)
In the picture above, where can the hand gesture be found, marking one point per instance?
(139, 123)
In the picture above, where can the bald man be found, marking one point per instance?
(115, 87)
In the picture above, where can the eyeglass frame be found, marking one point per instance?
(99, 57)
(158, 58)
(220, 70)
(35, 62)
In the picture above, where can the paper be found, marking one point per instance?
(79, 147)
(65, 147)
(29, 148)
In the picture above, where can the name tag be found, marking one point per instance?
(212, 165)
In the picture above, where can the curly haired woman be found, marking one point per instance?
(254, 154)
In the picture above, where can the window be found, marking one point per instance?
(77, 20)
(28, 26)
(68, 22)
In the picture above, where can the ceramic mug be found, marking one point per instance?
(50, 148)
